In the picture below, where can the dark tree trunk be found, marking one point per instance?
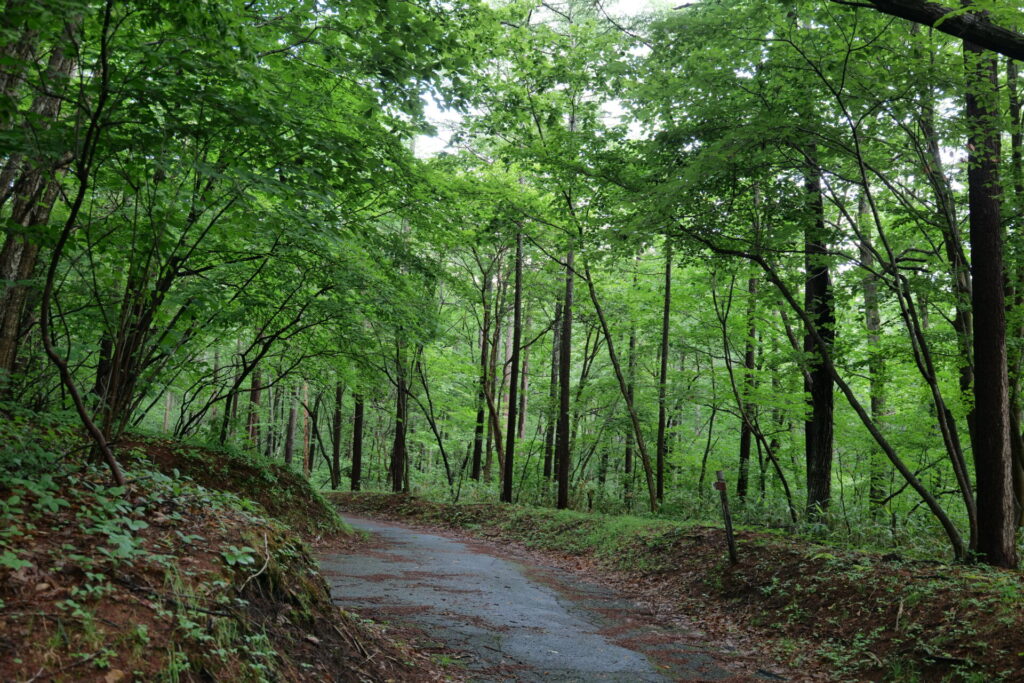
(552, 411)
(289, 436)
(357, 443)
(992, 463)
(748, 417)
(513, 384)
(818, 380)
(478, 432)
(339, 395)
(630, 391)
(399, 451)
(562, 454)
(662, 376)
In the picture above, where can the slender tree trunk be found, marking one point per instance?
(748, 417)
(524, 385)
(289, 435)
(553, 388)
(339, 395)
(992, 457)
(307, 459)
(255, 396)
(818, 381)
(562, 454)
(478, 432)
(399, 451)
(662, 374)
(876, 362)
(357, 443)
(513, 384)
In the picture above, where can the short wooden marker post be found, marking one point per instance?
(720, 485)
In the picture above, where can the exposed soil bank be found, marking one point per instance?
(826, 612)
(168, 580)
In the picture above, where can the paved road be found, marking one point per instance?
(510, 621)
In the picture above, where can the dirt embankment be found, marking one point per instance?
(171, 580)
(823, 611)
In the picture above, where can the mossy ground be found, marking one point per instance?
(852, 615)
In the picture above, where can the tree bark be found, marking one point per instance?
(339, 395)
(478, 432)
(513, 384)
(662, 375)
(562, 454)
(972, 27)
(356, 475)
(747, 417)
(552, 411)
(992, 457)
(289, 435)
(818, 380)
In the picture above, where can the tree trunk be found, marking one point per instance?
(478, 432)
(513, 384)
(255, 395)
(662, 374)
(339, 395)
(818, 381)
(552, 411)
(399, 452)
(747, 417)
(357, 443)
(289, 436)
(562, 454)
(876, 362)
(996, 518)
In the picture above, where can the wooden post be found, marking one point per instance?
(720, 485)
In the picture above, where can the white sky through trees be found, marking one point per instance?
(446, 120)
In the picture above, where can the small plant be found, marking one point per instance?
(235, 556)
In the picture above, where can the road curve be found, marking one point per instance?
(511, 621)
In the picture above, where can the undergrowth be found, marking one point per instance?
(167, 579)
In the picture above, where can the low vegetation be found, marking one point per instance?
(854, 614)
(168, 579)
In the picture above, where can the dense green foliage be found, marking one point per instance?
(216, 227)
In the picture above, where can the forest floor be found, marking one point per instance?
(817, 612)
(171, 580)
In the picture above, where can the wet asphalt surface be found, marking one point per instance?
(507, 621)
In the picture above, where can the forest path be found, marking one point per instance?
(509, 620)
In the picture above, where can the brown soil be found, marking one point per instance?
(827, 613)
(180, 605)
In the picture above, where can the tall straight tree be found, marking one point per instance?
(513, 387)
(356, 473)
(562, 446)
(662, 373)
(818, 379)
(992, 457)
